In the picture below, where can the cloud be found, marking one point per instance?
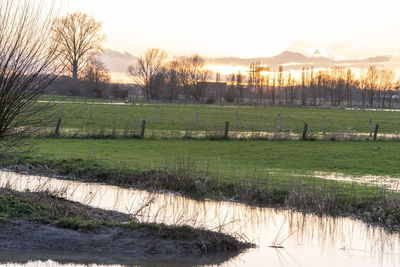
(295, 60)
(117, 61)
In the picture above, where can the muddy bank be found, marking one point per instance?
(21, 240)
(42, 226)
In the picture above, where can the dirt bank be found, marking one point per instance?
(22, 241)
(41, 226)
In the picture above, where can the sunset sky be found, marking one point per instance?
(340, 29)
(252, 28)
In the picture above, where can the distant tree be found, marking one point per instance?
(97, 76)
(198, 75)
(26, 67)
(303, 87)
(219, 87)
(240, 86)
(281, 81)
(172, 80)
(230, 93)
(372, 81)
(319, 81)
(118, 91)
(273, 88)
(349, 87)
(290, 84)
(193, 75)
(340, 80)
(78, 37)
(313, 83)
(363, 87)
(147, 71)
(387, 81)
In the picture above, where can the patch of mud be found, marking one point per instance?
(22, 241)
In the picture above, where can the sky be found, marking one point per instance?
(252, 28)
(339, 30)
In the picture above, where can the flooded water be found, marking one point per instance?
(306, 240)
(390, 183)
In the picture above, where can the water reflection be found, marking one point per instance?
(307, 240)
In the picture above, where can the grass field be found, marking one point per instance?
(180, 117)
(258, 172)
(283, 158)
(280, 173)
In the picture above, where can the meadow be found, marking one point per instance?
(321, 176)
(161, 117)
(279, 158)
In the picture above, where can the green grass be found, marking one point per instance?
(46, 208)
(179, 117)
(270, 171)
(282, 157)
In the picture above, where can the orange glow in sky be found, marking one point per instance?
(252, 28)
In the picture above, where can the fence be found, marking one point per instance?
(193, 122)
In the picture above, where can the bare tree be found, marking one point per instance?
(219, 87)
(172, 80)
(96, 71)
(193, 75)
(26, 66)
(97, 76)
(349, 87)
(147, 71)
(281, 81)
(230, 93)
(290, 84)
(372, 78)
(303, 87)
(79, 37)
(240, 86)
(386, 83)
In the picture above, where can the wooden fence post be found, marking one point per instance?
(305, 131)
(120, 112)
(197, 116)
(376, 131)
(323, 124)
(57, 130)
(90, 111)
(226, 129)
(143, 128)
(62, 109)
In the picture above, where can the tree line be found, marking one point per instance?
(187, 76)
(162, 79)
(79, 38)
(337, 86)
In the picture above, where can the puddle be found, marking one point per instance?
(390, 183)
(307, 240)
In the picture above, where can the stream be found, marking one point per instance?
(303, 239)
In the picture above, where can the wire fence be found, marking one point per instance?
(172, 121)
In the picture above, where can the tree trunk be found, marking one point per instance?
(75, 69)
